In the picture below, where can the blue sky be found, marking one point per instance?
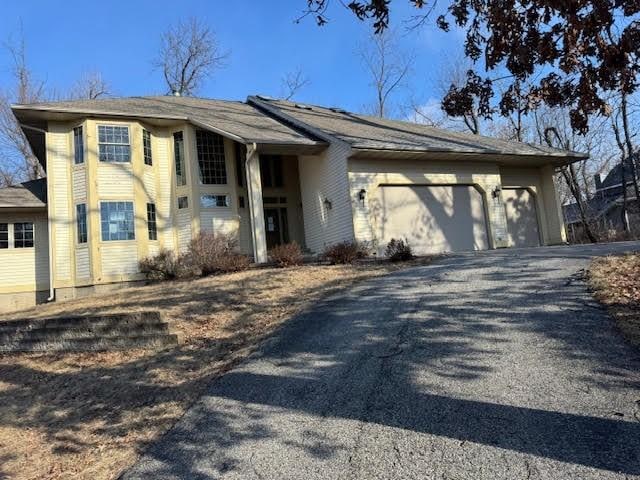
(120, 39)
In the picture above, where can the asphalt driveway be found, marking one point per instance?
(496, 365)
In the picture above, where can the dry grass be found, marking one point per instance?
(615, 281)
(90, 415)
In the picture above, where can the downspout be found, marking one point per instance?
(52, 293)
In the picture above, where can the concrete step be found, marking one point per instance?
(81, 321)
(50, 333)
(152, 341)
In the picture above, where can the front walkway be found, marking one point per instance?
(496, 365)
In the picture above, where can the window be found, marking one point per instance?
(146, 146)
(78, 146)
(81, 222)
(152, 226)
(271, 170)
(4, 235)
(183, 202)
(178, 153)
(23, 235)
(210, 148)
(241, 154)
(116, 219)
(211, 201)
(113, 144)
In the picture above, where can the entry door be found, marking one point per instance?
(277, 226)
(522, 217)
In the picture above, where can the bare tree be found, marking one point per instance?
(18, 160)
(89, 86)
(189, 53)
(293, 82)
(388, 68)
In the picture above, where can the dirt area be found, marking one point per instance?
(615, 281)
(90, 415)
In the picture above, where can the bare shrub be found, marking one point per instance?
(398, 251)
(211, 253)
(165, 265)
(345, 252)
(287, 255)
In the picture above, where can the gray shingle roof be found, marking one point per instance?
(365, 132)
(32, 194)
(235, 118)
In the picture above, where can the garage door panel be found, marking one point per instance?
(433, 219)
(522, 217)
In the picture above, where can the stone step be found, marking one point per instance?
(117, 319)
(50, 333)
(152, 341)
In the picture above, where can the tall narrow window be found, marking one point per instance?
(78, 146)
(241, 154)
(23, 235)
(81, 222)
(146, 146)
(116, 219)
(4, 235)
(152, 226)
(183, 202)
(178, 152)
(113, 144)
(210, 148)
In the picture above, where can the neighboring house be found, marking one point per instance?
(129, 176)
(604, 208)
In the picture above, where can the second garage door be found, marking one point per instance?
(433, 219)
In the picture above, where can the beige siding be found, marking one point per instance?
(83, 266)
(370, 174)
(183, 228)
(166, 201)
(149, 184)
(79, 178)
(25, 269)
(219, 220)
(62, 218)
(323, 177)
(115, 180)
(119, 259)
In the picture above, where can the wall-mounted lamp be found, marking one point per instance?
(327, 204)
(361, 195)
(496, 191)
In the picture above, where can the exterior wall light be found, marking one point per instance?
(361, 195)
(327, 204)
(496, 191)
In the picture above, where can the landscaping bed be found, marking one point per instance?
(615, 281)
(89, 415)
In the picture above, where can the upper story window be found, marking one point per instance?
(4, 235)
(81, 222)
(23, 235)
(78, 145)
(116, 219)
(113, 144)
(271, 170)
(146, 146)
(210, 148)
(178, 153)
(241, 171)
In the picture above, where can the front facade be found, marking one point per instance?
(128, 177)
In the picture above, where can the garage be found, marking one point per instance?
(432, 218)
(522, 217)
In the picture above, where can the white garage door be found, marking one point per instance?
(522, 217)
(432, 219)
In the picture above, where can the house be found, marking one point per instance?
(129, 176)
(604, 208)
